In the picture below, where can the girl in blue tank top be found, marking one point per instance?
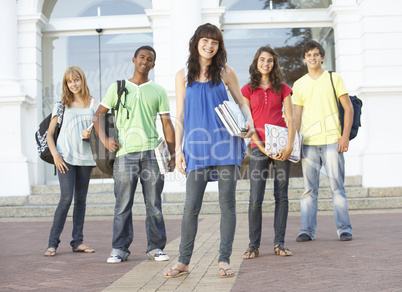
(209, 152)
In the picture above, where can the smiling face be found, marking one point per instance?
(144, 61)
(74, 84)
(207, 48)
(265, 63)
(313, 59)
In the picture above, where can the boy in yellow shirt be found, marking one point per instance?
(316, 113)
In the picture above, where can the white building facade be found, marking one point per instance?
(41, 38)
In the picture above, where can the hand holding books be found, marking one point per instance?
(276, 139)
(232, 118)
(163, 156)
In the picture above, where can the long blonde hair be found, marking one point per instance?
(67, 96)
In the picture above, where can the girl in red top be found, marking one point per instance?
(266, 94)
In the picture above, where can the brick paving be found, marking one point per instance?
(371, 262)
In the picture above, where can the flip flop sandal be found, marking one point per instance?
(85, 249)
(226, 275)
(51, 251)
(181, 273)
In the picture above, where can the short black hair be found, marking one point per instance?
(311, 44)
(148, 48)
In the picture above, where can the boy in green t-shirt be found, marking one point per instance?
(135, 157)
(316, 112)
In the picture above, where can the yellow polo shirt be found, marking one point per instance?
(320, 120)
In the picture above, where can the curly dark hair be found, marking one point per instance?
(275, 76)
(210, 31)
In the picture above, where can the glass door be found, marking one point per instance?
(103, 58)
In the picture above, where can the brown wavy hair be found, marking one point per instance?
(275, 76)
(210, 31)
(71, 73)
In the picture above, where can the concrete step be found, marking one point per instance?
(294, 183)
(108, 198)
(298, 183)
(207, 208)
(100, 201)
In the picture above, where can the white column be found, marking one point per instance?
(160, 23)
(346, 25)
(8, 57)
(14, 168)
(185, 18)
(381, 89)
(212, 12)
(368, 44)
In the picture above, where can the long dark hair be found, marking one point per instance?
(210, 31)
(275, 76)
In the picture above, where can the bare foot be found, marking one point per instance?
(83, 248)
(50, 252)
(225, 271)
(177, 270)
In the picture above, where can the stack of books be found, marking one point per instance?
(162, 156)
(232, 118)
(276, 139)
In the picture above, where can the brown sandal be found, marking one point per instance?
(282, 251)
(249, 252)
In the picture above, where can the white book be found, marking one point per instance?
(225, 123)
(232, 118)
(276, 139)
(162, 155)
(236, 114)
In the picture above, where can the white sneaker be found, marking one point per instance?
(158, 255)
(114, 259)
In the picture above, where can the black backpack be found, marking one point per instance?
(357, 111)
(104, 159)
(40, 135)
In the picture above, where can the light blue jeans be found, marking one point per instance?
(195, 187)
(126, 172)
(314, 157)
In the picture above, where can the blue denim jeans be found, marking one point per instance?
(73, 183)
(313, 158)
(195, 187)
(126, 172)
(259, 170)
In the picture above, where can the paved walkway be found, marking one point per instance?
(371, 262)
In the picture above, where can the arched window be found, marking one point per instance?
(283, 25)
(87, 8)
(233, 5)
(100, 36)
